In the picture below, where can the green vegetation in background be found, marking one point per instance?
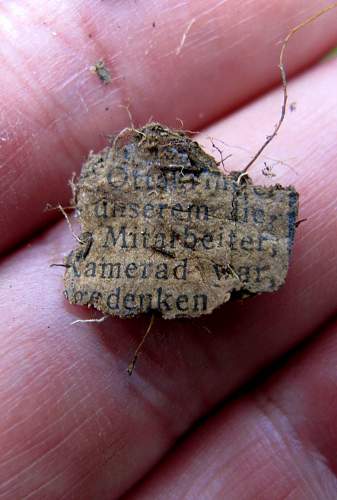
(331, 54)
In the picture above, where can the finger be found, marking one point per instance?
(54, 110)
(304, 155)
(277, 442)
(73, 415)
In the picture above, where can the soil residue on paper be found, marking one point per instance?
(164, 230)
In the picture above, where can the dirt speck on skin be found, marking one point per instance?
(100, 69)
(293, 106)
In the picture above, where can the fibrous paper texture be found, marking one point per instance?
(164, 229)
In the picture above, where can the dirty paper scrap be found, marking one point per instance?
(163, 229)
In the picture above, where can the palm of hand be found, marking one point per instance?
(73, 424)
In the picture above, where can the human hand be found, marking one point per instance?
(73, 424)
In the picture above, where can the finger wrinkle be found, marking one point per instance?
(287, 444)
(23, 476)
(73, 77)
(57, 437)
(50, 429)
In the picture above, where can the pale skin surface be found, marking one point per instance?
(73, 424)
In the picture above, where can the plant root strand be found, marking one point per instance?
(284, 78)
(93, 320)
(137, 351)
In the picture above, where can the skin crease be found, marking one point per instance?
(274, 441)
(73, 424)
